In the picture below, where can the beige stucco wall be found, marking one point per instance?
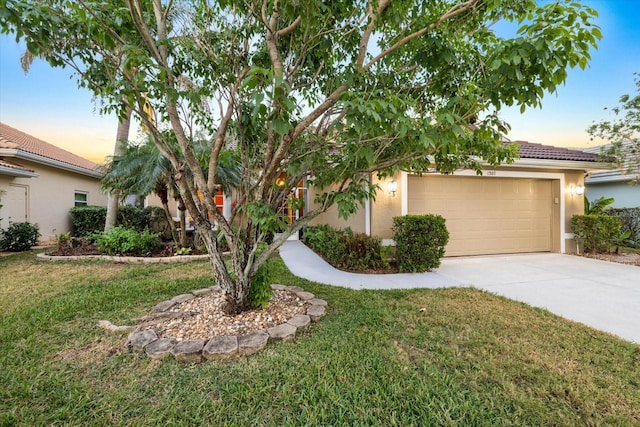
(356, 222)
(385, 207)
(574, 205)
(153, 200)
(51, 195)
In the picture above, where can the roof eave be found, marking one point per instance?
(19, 173)
(606, 179)
(25, 155)
(562, 164)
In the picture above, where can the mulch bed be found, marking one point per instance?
(81, 247)
(623, 258)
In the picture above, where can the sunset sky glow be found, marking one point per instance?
(48, 104)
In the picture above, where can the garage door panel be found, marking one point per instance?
(487, 215)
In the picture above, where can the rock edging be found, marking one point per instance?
(123, 259)
(224, 346)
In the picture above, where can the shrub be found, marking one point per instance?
(19, 236)
(363, 252)
(88, 220)
(260, 291)
(420, 241)
(64, 242)
(139, 218)
(121, 241)
(596, 233)
(630, 218)
(327, 242)
(344, 248)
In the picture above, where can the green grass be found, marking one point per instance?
(418, 357)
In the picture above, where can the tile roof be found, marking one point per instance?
(12, 138)
(626, 172)
(11, 165)
(529, 150)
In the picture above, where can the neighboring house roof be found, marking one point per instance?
(17, 144)
(613, 175)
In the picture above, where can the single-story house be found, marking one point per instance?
(40, 182)
(619, 184)
(523, 207)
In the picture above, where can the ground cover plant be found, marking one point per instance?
(418, 357)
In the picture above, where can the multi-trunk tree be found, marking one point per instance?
(331, 92)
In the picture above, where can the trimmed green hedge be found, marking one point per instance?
(345, 249)
(420, 241)
(596, 233)
(88, 220)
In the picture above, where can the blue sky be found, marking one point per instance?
(48, 104)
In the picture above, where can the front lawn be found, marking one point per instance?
(418, 357)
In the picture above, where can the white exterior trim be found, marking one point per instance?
(404, 188)
(503, 174)
(367, 212)
(21, 173)
(561, 164)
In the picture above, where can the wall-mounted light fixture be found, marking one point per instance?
(392, 187)
(577, 190)
(281, 181)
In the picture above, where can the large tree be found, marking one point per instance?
(331, 92)
(623, 134)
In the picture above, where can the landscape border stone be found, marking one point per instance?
(123, 259)
(223, 346)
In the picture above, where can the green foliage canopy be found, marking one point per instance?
(332, 92)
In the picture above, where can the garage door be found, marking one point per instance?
(487, 215)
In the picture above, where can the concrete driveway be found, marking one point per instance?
(600, 294)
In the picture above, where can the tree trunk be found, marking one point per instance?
(163, 193)
(183, 222)
(122, 135)
(235, 290)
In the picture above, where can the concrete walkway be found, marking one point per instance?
(600, 294)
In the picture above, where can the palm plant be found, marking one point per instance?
(143, 170)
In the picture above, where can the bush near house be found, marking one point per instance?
(420, 241)
(89, 220)
(630, 218)
(596, 233)
(150, 217)
(345, 249)
(19, 236)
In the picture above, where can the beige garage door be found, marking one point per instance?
(487, 215)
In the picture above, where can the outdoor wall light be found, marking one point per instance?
(281, 182)
(392, 187)
(577, 190)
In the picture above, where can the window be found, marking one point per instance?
(81, 198)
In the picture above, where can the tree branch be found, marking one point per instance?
(454, 11)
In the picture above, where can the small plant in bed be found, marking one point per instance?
(127, 241)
